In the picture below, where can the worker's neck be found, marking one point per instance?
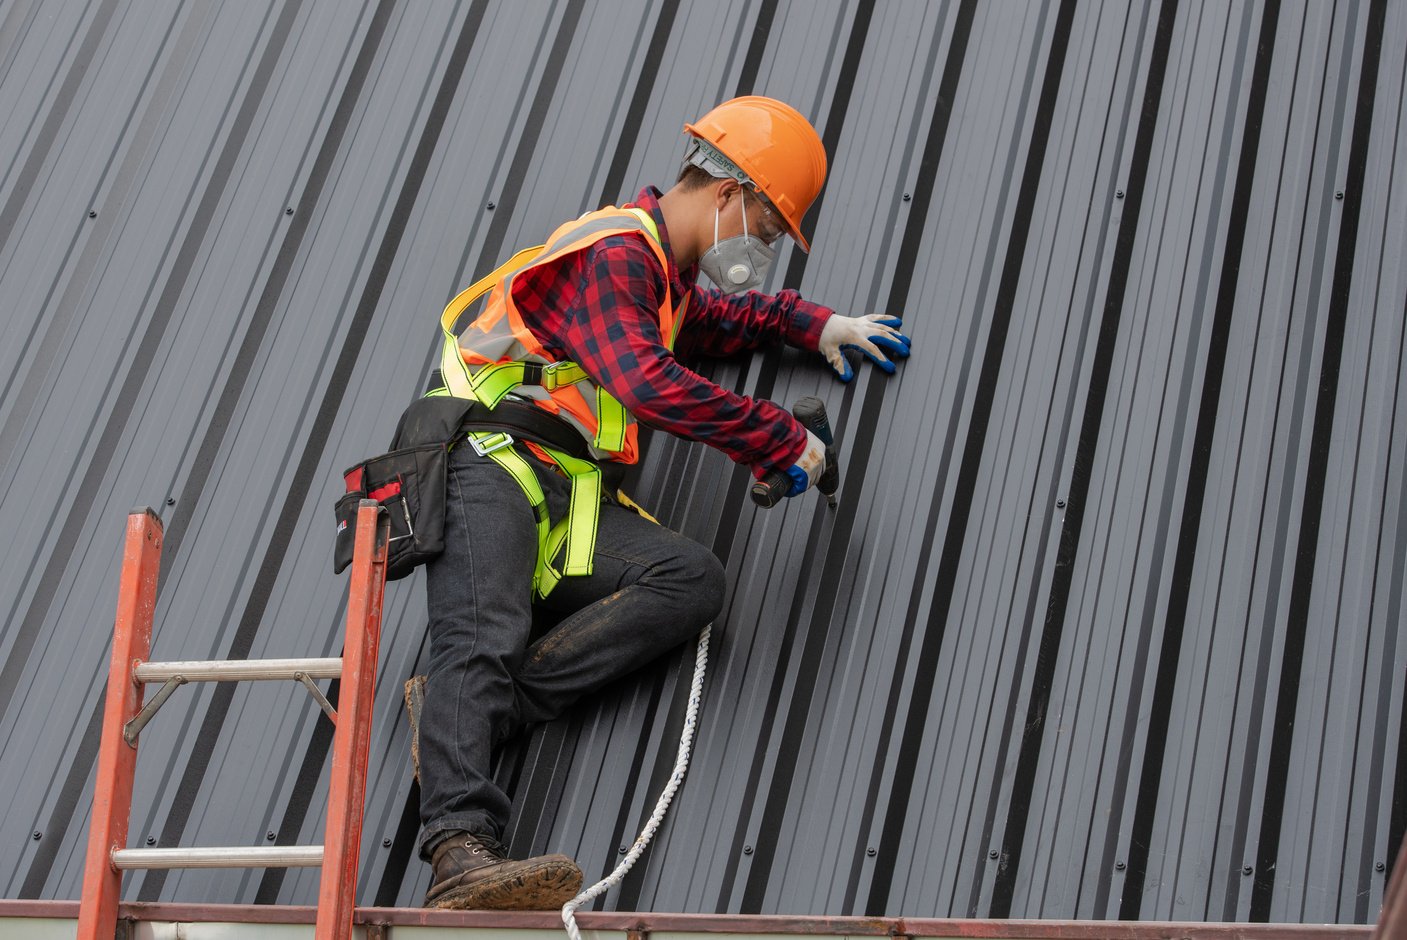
(689, 218)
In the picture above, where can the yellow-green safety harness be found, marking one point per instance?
(489, 385)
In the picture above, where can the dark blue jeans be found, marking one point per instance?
(650, 590)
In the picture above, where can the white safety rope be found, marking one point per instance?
(681, 763)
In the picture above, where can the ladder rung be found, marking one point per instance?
(253, 856)
(238, 670)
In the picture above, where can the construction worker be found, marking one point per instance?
(575, 341)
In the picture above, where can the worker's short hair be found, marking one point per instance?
(693, 177)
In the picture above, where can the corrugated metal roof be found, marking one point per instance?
(1109, 622)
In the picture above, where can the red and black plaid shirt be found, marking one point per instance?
(601, 311)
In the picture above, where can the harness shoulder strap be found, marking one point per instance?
(483, 285)
(648, 221)
(458, 379)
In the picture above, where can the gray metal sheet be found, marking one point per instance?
(1109, 622)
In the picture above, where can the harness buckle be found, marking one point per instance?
(485, 444)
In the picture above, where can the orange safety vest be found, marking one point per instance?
(498, 354)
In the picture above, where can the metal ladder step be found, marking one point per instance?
(254, 856)
(239, 670)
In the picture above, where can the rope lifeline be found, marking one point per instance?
(681, 764)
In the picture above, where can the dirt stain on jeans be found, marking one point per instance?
(566, 640)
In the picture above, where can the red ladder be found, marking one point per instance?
(124, 717)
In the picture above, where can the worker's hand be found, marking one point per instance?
(876, 335)
(808, 467)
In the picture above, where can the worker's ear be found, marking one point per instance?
(723, 192)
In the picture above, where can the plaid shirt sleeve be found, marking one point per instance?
(721, 324)
(613, 333)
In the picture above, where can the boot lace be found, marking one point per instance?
(486, 845)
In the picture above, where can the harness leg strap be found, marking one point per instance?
(518, 468)
(577, 531)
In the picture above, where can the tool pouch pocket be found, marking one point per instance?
(410, 482)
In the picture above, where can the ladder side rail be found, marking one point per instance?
(112, 788)
(352, 740)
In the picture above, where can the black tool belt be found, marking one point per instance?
(527, 423)
(524, 421)
(409, 480)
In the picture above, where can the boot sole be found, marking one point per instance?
(542, 887)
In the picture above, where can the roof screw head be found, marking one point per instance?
(385, 843)
(1247, 870)
(170, 500)
(993, 854)
(92, 213)
(1381, 866)
(1060, 504)
(288, 211)
(1119, 866)
(907, 197)
(622, 850)
(747, 850)
(269, 835)
(491, 206)
(871, 852)
(1118, 194)
(151, 840)
(1339, 194)
(37, 835)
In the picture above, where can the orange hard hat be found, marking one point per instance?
(771, 146)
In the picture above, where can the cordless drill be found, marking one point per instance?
(811, 412)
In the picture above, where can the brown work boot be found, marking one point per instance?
(473, 873)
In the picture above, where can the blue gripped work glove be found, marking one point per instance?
(874, 335)
(808, 467)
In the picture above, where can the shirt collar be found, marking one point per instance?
(681, 282)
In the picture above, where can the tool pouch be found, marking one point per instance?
(410, 484)
(409, 481)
